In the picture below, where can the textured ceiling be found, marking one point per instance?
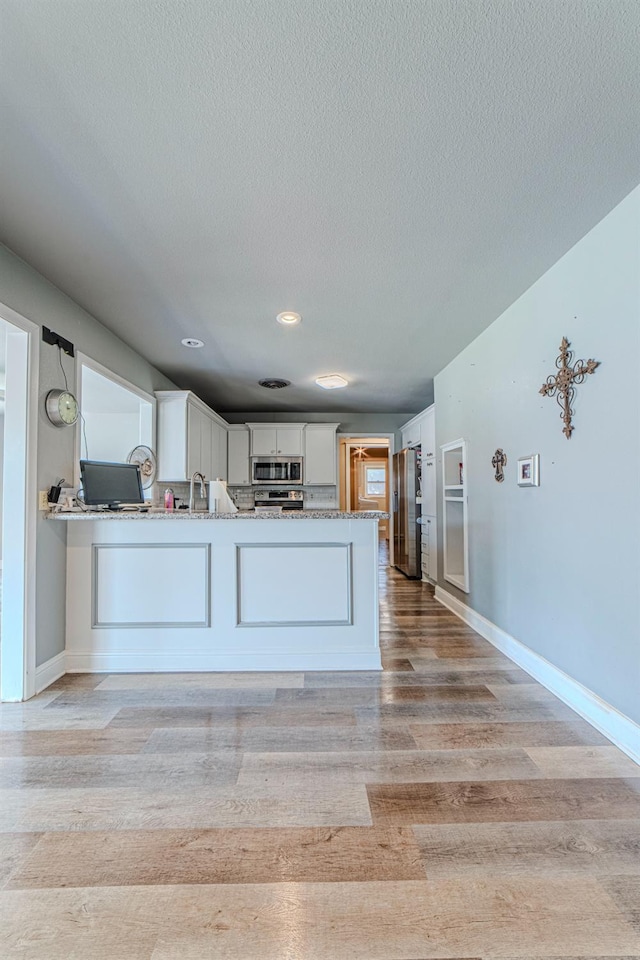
(398, 171)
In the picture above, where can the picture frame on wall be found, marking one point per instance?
(529, 471)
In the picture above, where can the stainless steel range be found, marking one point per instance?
(287, 499)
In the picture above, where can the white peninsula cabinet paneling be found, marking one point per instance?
(238, 468)
(280, 440)
(191, 438)
(320, 454)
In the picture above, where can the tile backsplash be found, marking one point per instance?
(320, 498)
(317, 498)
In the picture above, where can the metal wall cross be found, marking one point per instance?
(499, 460)
(562, 385)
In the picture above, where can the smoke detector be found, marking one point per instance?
(274, 383)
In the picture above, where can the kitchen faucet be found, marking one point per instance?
(203, 492)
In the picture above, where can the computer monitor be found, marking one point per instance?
(110, 484)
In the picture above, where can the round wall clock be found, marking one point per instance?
(61, 407)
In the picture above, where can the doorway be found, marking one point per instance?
(365, 472)
(19, 364)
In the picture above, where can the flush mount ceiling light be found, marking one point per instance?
(288, 318)
(332, 381)
(274, 383)
(192, 342)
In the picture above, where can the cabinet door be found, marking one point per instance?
(194, 433)
(264, 442)
(428, 547)
(411, 436)
(429, 486)
(206, 445)
(289, 441)
(238, 448)
(320, 456)
(221, 464)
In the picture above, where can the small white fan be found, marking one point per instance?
(145, 458)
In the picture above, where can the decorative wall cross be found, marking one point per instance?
(499, 460)
(562, 385)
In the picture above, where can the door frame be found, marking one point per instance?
(345, 480)
(18, 617)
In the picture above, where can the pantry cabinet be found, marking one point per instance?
(191, 438)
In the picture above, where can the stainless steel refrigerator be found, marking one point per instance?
(406, 513)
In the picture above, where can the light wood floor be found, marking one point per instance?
(447, 808)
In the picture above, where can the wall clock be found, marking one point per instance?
(61, 407)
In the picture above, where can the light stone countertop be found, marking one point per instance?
(204, 515)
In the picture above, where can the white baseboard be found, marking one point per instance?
(51, 670)
(182, 662)
(621, 730)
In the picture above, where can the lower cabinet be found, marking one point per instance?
(429, 548)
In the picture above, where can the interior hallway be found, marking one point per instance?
(449, 807)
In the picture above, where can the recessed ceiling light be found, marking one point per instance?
(288, 318)
(192, 342)
(332, 381)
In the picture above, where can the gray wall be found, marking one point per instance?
(558, 566)
(29, 294)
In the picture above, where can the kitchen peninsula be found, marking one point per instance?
(206, 592)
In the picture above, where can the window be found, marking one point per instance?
(376, 481)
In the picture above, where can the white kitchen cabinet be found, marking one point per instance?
(219, 453)
(238, 447)
(280, 440)
(429, 548)
(411, 433)
(428, 447)
(320, 456)
(191, 438)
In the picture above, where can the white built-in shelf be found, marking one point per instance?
(455, 529)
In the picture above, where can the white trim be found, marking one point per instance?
(461, 581)
(50, 671)
(83, 360)
(621, 730)
(185, 662)
(193, 398)
(344, 480)
(419, 417)
(18, 674)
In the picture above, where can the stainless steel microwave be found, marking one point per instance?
(276, 470)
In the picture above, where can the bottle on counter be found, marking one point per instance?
(169, 499)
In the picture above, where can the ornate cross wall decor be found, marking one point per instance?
(499, 460)
(562, 385)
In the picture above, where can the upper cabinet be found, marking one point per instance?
(238, 469)
(191, 438)
(320, 459)
(420, 432)
(428, 447)
(279, 440)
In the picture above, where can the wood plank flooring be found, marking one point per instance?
(449, 807)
